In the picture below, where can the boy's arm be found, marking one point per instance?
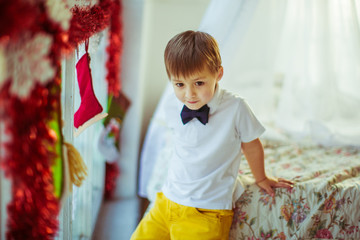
(254, 154)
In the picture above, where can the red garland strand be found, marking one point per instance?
(86, 22)
(33, 211)
(114, 50)
(11, 24)
(112, 172)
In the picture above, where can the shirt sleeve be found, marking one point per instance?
(248, 126)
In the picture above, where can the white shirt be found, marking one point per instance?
(206, 158)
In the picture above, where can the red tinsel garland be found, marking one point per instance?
(11, 24)
(86, 22)
(114, 50)
(33, 211)
(112, 172)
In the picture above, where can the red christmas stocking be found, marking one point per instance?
(90, 109)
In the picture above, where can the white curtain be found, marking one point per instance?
(248, 48)
(296, 62)
(319, 59)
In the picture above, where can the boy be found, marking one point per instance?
(210, 126)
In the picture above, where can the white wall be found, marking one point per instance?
(148, 26)
(163, 19)
(130, 133)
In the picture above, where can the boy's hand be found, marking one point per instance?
(254, 154)
(269, 183)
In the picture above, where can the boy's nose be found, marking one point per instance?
(190, 92)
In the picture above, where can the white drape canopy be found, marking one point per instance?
(297, 63)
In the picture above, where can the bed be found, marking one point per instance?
(324, 203)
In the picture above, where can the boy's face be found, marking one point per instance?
(198, 89)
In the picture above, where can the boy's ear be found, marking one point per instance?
(220, 73)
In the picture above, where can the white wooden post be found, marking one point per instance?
(67, 104)
(5, 191)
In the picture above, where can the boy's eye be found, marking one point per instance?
(199, 83)
(179, 84)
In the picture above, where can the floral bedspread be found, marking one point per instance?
(324, 203)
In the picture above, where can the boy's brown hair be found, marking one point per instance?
(190, 52)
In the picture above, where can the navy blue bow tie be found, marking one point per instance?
(202, 114)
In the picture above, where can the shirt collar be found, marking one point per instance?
(215, 101)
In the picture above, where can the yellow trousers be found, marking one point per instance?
(169, 220)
